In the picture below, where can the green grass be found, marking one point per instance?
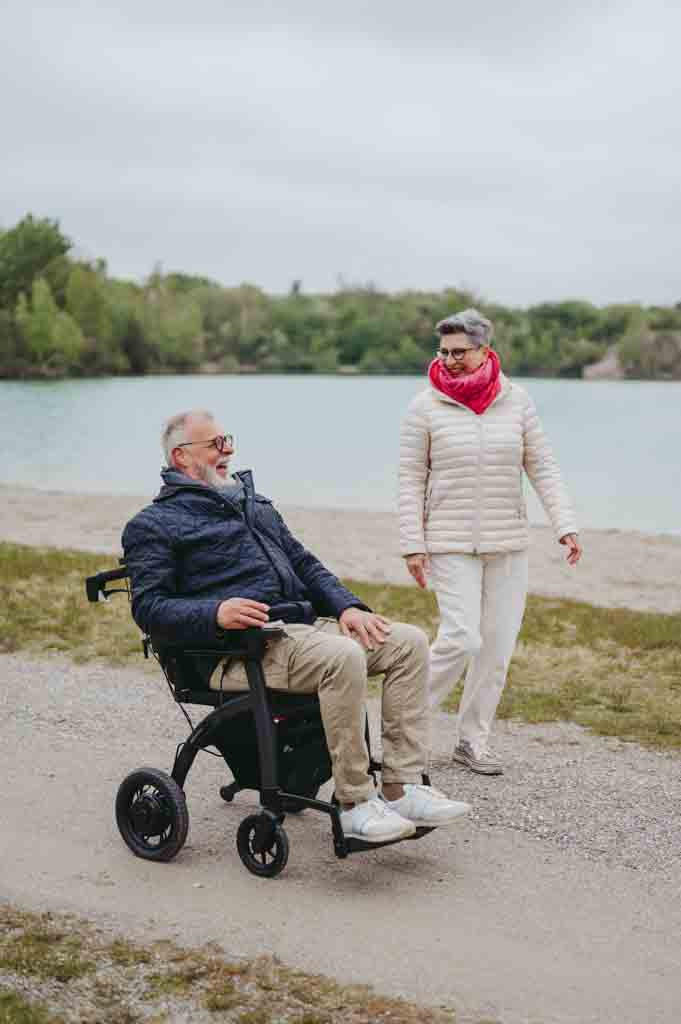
(15, 1009)
(615, 671)
(43, 606)
(40, 947)
(127, 983)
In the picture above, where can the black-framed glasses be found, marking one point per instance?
(221, 442)
(455, 353)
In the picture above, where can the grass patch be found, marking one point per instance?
(43, 606)
(129, 983)
(15, 1009)
(38, 946)
(615, 671)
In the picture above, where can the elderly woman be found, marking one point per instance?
(465, 442)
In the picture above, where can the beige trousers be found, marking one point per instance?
(320, 659)
(481, 600)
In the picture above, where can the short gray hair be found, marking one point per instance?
(470, 322)
(175, 429)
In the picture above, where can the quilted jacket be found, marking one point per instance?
(461, 475)
(193, 548)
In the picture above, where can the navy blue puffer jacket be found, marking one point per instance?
(193, 548)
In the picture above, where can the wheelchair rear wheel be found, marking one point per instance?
(262, 845)
(151, 814)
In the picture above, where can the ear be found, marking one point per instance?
(178, 458)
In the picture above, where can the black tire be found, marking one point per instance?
(151, 814)
(270, 861)
(229, 792)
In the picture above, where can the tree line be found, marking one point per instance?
(60, 316)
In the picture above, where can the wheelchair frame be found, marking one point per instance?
(150, 805)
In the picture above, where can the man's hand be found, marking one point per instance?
(370, 629)
(575, 552)
(419, 566)
(242, 613)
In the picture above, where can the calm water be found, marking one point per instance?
(323, 441)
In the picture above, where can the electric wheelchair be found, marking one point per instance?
(272, 741)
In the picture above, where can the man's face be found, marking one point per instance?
(201, 459)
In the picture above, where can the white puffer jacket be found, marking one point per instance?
(461, 474)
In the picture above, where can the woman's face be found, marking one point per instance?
(460, 355)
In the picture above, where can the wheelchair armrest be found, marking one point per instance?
(235, 643)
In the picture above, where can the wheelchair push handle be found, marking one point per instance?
(95, 586)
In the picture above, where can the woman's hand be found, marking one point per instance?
(419, 567)
(571, 540)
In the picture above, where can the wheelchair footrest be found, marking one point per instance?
(354, 845)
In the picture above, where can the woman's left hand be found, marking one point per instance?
(571, 540)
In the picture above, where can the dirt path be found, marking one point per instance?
(491, 917)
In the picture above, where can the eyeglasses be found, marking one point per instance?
(455, 353)
(221, 442)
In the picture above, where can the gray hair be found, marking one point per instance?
(469, 322)
(175, 430)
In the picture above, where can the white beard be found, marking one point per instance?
(211, 477)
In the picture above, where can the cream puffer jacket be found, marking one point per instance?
(461, 486)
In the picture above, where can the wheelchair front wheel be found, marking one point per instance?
(262, 845)
(151, 814)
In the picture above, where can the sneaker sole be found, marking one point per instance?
(423, 823)
(386, 838)
(474, 766)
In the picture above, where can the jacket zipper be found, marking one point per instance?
(478, 488)
(478, 485)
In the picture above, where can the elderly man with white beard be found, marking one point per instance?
(211, 554)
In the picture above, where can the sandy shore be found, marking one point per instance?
(619, 568)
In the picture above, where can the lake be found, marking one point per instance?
(333, 441)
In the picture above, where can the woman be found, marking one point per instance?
(465, 442)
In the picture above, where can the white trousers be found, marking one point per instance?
(481, 600)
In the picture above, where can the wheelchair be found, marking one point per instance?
(273, 742)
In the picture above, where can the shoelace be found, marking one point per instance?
(380, 807)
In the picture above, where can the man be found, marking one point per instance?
(210, 554)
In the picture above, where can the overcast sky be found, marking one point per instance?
(529, 151)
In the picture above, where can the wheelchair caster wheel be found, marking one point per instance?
(262, 845)
(151, 814)
(229, 792)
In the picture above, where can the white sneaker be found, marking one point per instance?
(374, 822)
(427, 807)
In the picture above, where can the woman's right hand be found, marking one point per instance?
(419, 567)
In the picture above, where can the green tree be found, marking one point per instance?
(86, 301)
(25, 251)
(52, 338)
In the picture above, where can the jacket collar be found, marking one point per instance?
(175, 482)
(503, 393)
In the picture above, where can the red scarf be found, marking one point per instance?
(475, 390)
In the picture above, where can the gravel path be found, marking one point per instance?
(557, 900)
(605, 799)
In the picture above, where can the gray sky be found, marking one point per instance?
(529, 151)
